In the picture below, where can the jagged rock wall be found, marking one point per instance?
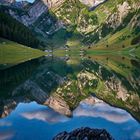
(7, 106)
(36, 16)
(34, 12)
(84, 134)
(58, 104)
(8, 2)
(117, 18)
(53, 3)
(92, 3)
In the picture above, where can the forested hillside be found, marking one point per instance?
(13, 30)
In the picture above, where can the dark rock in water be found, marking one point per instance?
(84, 133)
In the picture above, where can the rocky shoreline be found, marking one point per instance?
(84, 133)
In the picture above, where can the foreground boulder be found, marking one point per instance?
(84, 134)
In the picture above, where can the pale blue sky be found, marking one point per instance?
(26, 0)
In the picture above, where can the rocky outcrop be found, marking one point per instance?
(92, 3)
(38, 8)
(36, 15)
(117, 18)
(53, 3)
(7, 2)
(39, 87)
(14, 3)
(31, 90)
(7, 106)
(58, 105)
(84, 134)
(34, 12)
(91, 100)
(111, 88)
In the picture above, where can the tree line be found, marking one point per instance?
(13, 30)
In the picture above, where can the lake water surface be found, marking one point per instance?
(96, 91)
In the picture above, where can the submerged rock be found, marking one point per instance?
(84, 133)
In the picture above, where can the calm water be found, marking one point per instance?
(34, 121)
(26, 88)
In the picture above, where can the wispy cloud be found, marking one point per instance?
(47, 115)
(102, 110)
(6, 135)
(137, 134)
(5, 123)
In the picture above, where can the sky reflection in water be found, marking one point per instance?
(33, 121)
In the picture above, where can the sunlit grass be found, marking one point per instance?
(13, 53)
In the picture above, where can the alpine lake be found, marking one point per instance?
(69, 89)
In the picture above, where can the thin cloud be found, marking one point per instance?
(103, 110)
(5, 123)
(46, 115)
(6, 135)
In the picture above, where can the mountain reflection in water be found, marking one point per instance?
(37, 96)
(34, 121)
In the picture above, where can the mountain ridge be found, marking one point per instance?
(93, 25)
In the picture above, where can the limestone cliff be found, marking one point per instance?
(84, 133)
(92, 3)
(7, 2)
(33, 13)
(53, 3)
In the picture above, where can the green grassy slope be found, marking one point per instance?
(102, 21)
(12, 53)
(119, 43)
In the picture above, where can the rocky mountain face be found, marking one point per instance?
(59, 105)
(15, 4)
(8, 2)
(63, 93)
(75, 15)
(123, 11)
(84, 134)
(7, 106)
(116, 91)
(36, 16)
(33, 13)
(94, 24)
(125, 14)
(53, 3)
(107, 17)
(57, 3)
(92, 3)
(68, 94)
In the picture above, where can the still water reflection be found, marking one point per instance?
(34, 121)
(37, 97)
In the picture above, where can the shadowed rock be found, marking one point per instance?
(84, 133)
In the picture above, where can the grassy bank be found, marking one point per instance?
(12, 53)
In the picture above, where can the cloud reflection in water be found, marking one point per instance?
(100, 109)
(47, 115)
(40, 121)
(7, 135)
(103, 110)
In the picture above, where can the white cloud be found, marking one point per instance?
(6, 135)
(88, 109)
(5, 123)
(47, 115)
(103, 110)
(137, 134)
